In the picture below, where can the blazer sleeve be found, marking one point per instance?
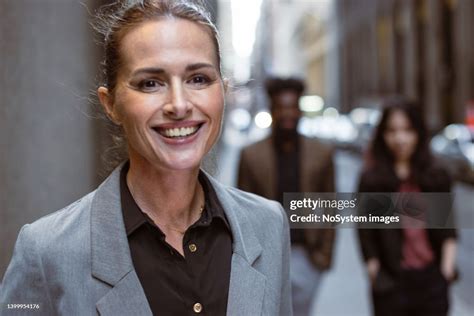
(286, 306)
(447, 182)
(328, 234)
(24, 281)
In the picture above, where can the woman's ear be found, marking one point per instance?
(107, 102)
(225, 82)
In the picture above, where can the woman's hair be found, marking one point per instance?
(380, 157)
(114, 21)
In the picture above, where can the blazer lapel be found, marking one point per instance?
(246, 289)
(247, 285)
(125, 298)
(111, 259)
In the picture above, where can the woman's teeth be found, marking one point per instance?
(179, 132)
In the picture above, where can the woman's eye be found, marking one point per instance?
(149, 84)
(199, 80)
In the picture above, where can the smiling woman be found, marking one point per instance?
(159, 236)
(169, 84)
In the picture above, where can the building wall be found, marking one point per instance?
(420, 48)
(301, 44)
(48, 65)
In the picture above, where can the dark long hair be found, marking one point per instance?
(380, 161)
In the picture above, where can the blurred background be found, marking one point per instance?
(352, 54)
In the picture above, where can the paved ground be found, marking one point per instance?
(344, 290)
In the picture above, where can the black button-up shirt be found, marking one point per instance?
(197, 283)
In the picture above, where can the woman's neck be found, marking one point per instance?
(168, 197)
(402, 169)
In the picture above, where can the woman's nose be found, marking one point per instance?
(178, 106)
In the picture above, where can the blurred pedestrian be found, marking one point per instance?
(159, 236)
(289, 162)
(410, 269)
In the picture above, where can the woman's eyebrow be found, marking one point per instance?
(197, 66)
(148, 70)
(157, 70)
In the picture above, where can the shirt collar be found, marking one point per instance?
(134, 217)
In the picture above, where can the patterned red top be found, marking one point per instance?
(417, 252)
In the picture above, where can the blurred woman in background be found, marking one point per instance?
(410, 269)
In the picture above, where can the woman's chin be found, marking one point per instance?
(404, 155)
(181, 162)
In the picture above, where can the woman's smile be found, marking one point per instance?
(179, 133)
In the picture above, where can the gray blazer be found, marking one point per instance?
(77, 261)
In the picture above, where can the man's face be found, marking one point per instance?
(285, 110)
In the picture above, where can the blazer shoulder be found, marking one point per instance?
(257, 146)
(317, 145)
(369, 180)
(259, 209)
(436, 178)
(50, 228)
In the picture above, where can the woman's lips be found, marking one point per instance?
(178, 132)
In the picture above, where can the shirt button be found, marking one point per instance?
(197, 308)
(192, 247)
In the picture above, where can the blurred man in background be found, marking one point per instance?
(288, 162)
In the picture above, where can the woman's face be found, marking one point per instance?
(169, 96)
(400, 137)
